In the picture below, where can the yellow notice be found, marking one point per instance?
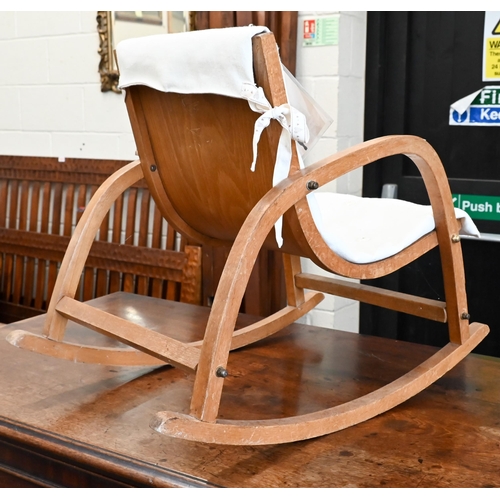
(491, 46)
(492, 58)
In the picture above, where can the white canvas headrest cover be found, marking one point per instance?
(215, 61)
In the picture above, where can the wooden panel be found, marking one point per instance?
(31, 458)
(282, 23)
(24, 467)
(165, 264)
(41, 200)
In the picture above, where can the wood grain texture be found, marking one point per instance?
(96, 417)
(301, 427)
(81, 353)
(397, 301)
(277, 201)
(195, 155)
(81, 241)
(147, 340)
(41, 199)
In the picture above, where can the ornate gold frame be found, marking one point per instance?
(109, 74)
(107, 69)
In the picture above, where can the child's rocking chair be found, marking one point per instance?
(201, 105)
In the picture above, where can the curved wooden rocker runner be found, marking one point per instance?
(195, 153)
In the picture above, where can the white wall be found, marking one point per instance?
(51, 103)
(50, 98)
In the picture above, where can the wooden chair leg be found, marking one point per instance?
(219, 338)
(447, 230)
(454, 287)
(81, 241)
(218, 334)
(67, 282)
(292, 266)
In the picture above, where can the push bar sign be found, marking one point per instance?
(478, 206)
(481, 108)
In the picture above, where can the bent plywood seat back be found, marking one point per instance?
(196, 151)
(200, 147)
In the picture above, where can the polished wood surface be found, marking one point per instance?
(88, 425)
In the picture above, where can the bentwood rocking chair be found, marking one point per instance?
(220, 147)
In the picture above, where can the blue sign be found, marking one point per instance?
(488, 115)
(482, 108)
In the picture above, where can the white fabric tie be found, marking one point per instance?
(294, 126)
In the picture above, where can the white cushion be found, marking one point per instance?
(364, 230)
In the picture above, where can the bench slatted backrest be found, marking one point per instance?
(41, 200)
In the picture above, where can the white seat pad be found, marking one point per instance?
(364, 230)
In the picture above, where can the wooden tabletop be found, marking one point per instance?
(96, 418)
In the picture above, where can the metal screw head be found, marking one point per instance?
(455, 238)
(221, 372)
(152, 168)
(465, 315)
(312, 185)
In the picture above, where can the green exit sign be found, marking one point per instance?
(488, 96)
(478, 206)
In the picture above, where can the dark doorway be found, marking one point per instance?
(418, 64)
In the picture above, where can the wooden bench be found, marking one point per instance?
(41, 201)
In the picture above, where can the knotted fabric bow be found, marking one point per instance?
(294, 127)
